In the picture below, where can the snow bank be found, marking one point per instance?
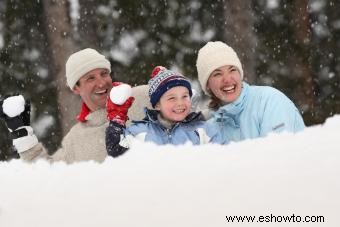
(281, 175)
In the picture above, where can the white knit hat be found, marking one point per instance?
(212, 56)
(82, 62)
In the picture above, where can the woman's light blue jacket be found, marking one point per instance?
(258, 110)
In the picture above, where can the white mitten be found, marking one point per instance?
(15, 112)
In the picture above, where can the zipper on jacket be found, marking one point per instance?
(169, 135)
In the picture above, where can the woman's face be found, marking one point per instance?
(225, 83)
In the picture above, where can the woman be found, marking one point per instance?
(242, 111)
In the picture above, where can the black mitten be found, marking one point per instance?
(15, 112)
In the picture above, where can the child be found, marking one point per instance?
(171, 121)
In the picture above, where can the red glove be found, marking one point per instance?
(118, 103)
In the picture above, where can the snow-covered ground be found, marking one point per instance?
(278, 176)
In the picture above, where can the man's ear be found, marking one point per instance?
(76, 90)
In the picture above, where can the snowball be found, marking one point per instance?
(14, 105)
(120, 93)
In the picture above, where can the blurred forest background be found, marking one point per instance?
(290, 45)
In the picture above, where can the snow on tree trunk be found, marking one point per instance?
(61, 45)
(239, 34)
(301, 21)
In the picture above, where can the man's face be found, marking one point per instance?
(94, 87)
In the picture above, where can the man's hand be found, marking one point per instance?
(15, 112)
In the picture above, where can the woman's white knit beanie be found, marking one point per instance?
(212, 56)
(82, 62)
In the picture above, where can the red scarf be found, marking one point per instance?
(83, 113)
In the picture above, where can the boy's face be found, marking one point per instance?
(225, 83)
(175, 104)
(94, 87)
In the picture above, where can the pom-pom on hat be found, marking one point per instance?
(162, 80)
(82, 62)
(212, 56)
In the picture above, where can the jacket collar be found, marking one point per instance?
(230, 113)
(96, 118)
(152, 116)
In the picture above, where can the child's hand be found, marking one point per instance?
(120, 93)
(118, 103)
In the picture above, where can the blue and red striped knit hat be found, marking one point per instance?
(162, 80)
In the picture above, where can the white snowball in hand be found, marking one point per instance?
(120, 93)
(13, 106)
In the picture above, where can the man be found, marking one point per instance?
(88, 75)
